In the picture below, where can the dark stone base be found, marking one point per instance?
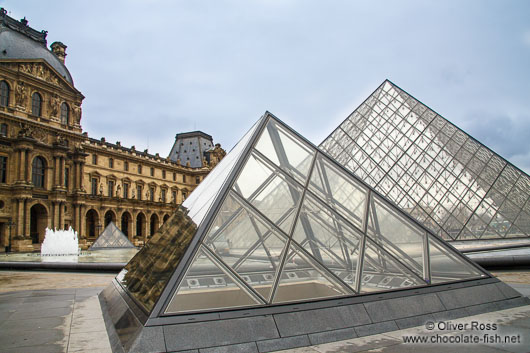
(303, 325)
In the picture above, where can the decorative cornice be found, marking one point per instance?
(22, 27)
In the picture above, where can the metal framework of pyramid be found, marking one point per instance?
(276, 227)
(445, 179)
(111, 238)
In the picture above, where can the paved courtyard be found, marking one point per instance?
(60, 312)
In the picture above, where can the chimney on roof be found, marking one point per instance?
(59, 49)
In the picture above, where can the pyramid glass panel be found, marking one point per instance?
(339, 191)
(381, 271)
(396, 234)
(285, 224)
(111, 238)
(146, 275)
(302, 279)
(207, 286)
(269, 191)
(329, 239)
(446, 175)
(200, 200)
(285, 150)
(245, 243)
(446, 267)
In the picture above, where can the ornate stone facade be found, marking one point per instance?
(53, 175)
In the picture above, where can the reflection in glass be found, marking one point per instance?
(286, 150)
(207, 286)
(328, 239)
(304, 279)
(243, 241)
(146, 275)
(381, 272)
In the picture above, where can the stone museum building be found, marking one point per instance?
(52, 174)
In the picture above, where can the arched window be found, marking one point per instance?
(37, 172)
(4, 94)
(36, 104)
(65, 114)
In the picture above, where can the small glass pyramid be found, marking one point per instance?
(448, 181)
(111, 238)
(278, 221)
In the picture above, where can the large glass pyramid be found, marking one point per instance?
(434, 171)
(111, 238)
(278, 221)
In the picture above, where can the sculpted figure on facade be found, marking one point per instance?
(53, 105)
(76, 111)
(25, 131)
(20, 95)
(27, 68)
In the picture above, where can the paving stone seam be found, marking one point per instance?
(71, 323)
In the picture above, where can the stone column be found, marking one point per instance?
(75, 176)
(20, 217)
(81, 173)
(27, 168)
(60, 215)
(21, 165)
(62, 175)
(82, 222)
(27, 218)
(75, 221)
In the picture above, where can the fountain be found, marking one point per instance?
(60, 246)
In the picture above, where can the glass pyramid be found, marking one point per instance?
(434, 171)
(111, 238)
(285, 224)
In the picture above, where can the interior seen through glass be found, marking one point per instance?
(272, 242)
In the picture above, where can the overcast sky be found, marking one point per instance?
(151, 69)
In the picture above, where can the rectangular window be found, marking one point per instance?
(174, 196)
(125, 190)
(94, 159)
(184, 195)
(111, 163)
(139, 169)
(152, 194)
(174, 176)
(3, 169)
(139, 192)
(94, 186)
(111, 188)
(66, 177)
(164, 195)
(183, 178)
(152, 171)
(126, 166)
(163, 174)
(197, 180)
(3, 130)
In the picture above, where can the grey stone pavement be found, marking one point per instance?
(70, 320)
(56, 320)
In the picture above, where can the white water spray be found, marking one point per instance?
(60, 243)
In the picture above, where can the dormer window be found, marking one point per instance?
(65, 114)
(36, 104)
